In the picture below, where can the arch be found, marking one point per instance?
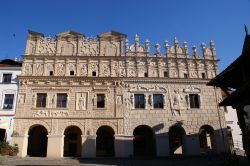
(144, 141)
(68, 124)
(99, 124)
(72, 141)
(37, 141)
(206, 138)
(176, 140)
(34, 123)
(105, 141)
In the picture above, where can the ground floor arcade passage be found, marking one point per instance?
(143, 143)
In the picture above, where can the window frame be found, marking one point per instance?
(165, 74)
(137, 99)
(60, 101)
(43, 100)
(162, 102)
(12, 105)
(3, 78)
(194, 102)
(100, 104)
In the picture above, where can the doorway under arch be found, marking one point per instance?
(176, 140)
(72, 142)
(144, 141)
(37, 141)
(105, 142)
(206, 137)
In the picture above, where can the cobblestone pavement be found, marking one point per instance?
(198, 161)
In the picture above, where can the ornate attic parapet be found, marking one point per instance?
(111, 43)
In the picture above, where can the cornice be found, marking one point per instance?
(112, 79)
(67, 57)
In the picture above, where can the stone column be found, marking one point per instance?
(162, 145)
(88, 145)
(22, 142)
(123, 146)
(55, 146)
(191, 145)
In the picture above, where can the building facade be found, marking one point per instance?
(88, 97)
(9, 70)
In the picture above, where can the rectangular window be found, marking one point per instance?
(203, 75)
(165, 74)
(72, 73)
(194, 101)
(51, 73)
(139, 101)
(185, 75)
(8, 101)
(158, 100)
(93, 73)
(41, 100)
(145, 74)
(7, 78)
(61, 100)
(100, 100)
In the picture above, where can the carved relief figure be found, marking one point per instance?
(110, 49)
(84, 70)
(47, 45)
(21, 99)
(39, 69)
(176, 100)
(28, 69)
(132, 101)
(150, 100)
(60, 70)
(53, 101)
(81, 103)
(33, 101)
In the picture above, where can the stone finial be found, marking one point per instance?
(203, 47)
(185, 47)
(194, 48)
(136, 40)
(166, 45)
(176, 42)
(157, 49)
(147, 45)
(127, 45)
(212, 47)
(212, 44)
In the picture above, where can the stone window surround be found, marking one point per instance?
(3, 98)
(3, 77)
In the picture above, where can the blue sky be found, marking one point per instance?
(194, 21)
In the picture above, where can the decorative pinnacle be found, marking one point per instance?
(185, 45)
(212, 44)
(147, 45)
(166, 44)
(203, 46)
(136, 38)
(127, 45)
(176, 42)
(157, 48)
(194, 50)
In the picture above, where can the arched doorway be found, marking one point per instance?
(176, 140)
(206, 135)
(144, 141)
(105, 141)
(72, 142)
(37, 141)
